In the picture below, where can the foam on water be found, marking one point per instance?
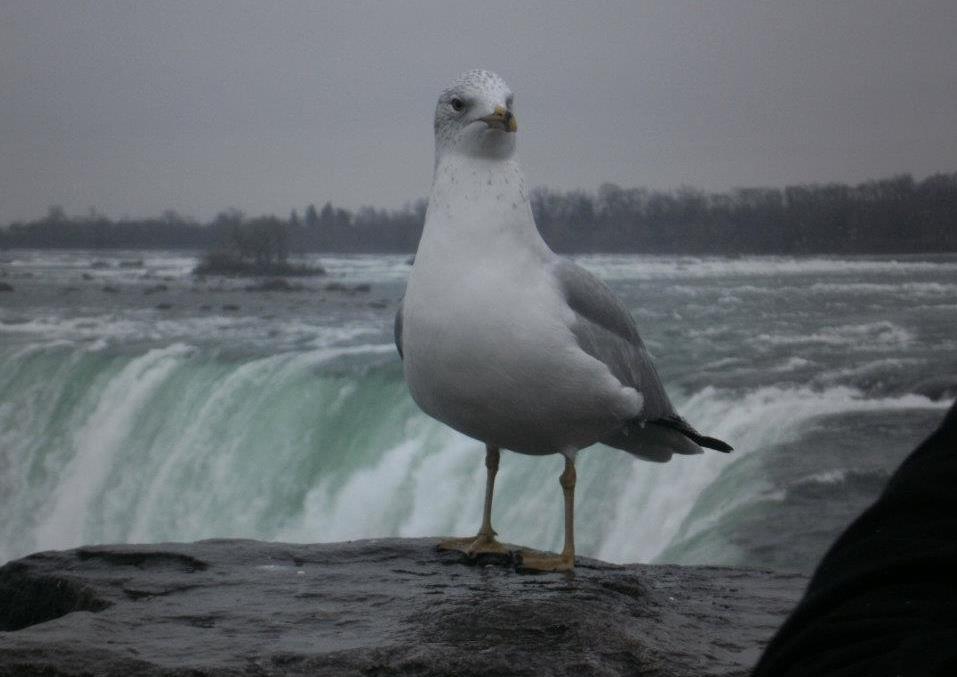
(149, 326)
(908, 289)
(870, 369)
(883, 335)
(827, 477)
(349, 269)
(793, 364)
(665, 267)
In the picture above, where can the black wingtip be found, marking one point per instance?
(714, 443)
(682, 426)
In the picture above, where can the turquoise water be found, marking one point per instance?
(140, 404)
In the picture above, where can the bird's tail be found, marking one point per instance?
(658, 439)
(682, 426)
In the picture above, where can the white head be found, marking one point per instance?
(474, 116)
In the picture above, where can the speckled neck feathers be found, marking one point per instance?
(479, 198)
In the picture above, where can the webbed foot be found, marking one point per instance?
(483, 544)
(532, 560)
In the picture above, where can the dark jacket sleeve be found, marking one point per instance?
(883, 601)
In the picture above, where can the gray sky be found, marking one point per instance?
(136, 107)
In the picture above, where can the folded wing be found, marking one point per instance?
(605, 330)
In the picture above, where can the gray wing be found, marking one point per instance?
(605, 330)
(397, 329)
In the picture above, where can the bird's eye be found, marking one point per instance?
(457, 103)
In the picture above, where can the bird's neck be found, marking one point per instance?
(480, 205)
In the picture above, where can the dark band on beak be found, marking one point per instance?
(502, 119)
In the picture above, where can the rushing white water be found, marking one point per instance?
(286, 418)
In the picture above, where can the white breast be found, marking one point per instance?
(488, 351)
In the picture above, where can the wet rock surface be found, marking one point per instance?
(377, 607)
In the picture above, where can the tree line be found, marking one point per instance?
(896, 214)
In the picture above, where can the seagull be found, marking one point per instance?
(505, 341)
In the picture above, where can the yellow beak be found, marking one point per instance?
(502, 119)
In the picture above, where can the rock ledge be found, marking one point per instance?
(376, 607)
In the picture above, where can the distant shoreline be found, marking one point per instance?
(885, 216)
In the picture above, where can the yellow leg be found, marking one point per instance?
(565, 561)
(484, 542)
